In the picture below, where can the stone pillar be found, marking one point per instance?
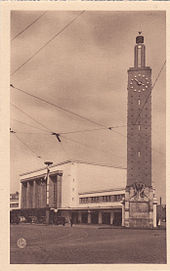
(28, 195)
(59, 179)
(111, 217)
(100, 218)
(34, 194)
(154, 213)
(44, 194)
(126, 218)
(31, 195)
(23, 195)
(89, 217)
(123, 215)
(79, 217)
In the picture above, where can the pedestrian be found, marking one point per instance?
(71, 222)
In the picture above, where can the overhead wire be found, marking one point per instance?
(59, 134)
(67, 139)
(51, 39)
(90, 120)
(90, 130)
(30, 133)
(38, 156)
(28, 26)
(87, 146)
(68, 111)
(29, 125)
(28, 115)
(57, 106)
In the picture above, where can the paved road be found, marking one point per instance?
(85, 244)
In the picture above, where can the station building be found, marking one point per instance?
(86, 192)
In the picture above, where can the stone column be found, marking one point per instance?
(126, 219)
(100, 218)
(123, 215)
(111, 217)
(154, 213)
(34, 194)
(59, 179)
(44, 194)
(28, 195)
(89, 217)
(23, 195)
(79, 217)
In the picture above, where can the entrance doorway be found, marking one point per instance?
(84, 217)
(105, 218)
(75, 218)
(94, 217)
(117, 219)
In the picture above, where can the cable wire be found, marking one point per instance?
(28, 124)
(38, 156)
(57, 106)
(30, 117)
(28, 26)
(66, 110)
(52, 38)
(89, 147)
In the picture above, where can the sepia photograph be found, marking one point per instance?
(87, 137)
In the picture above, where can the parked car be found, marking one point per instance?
(22, 219)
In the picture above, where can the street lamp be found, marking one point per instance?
(47, 163)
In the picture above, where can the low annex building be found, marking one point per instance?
(85, 192)
(14, 201)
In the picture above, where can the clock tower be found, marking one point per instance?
(140, 202)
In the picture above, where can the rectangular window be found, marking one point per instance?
(139, 127)
(139, 57)
(139, 154)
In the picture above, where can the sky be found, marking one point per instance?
(83, 70)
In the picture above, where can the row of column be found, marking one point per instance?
(89, 219)
(34, 193)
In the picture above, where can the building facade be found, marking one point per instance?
(87, 193)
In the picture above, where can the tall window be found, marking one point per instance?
(139, 56)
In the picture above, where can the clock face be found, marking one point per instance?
(140, 82)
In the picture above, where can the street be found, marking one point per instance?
(86, 244)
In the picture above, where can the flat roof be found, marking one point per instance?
(73, 161)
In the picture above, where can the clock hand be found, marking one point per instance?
(138, 82)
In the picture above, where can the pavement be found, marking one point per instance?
(85, 244)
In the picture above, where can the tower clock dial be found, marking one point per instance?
(139, 82)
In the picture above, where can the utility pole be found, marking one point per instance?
(47, 163)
